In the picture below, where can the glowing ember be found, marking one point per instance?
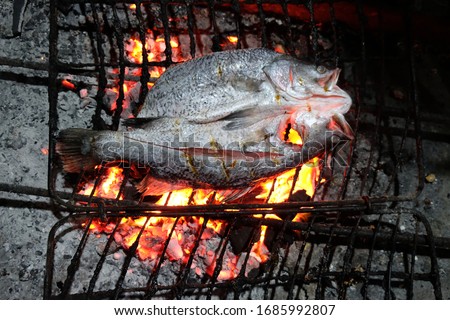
(294, 137)
(279, 48)
(44, 151)
(135, 51)
(173, 43)
(155, 49)
(68, 85)
(232, 39)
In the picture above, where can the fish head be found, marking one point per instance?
(283, 75)
(326, 97)
(312, 97)
(307, 86)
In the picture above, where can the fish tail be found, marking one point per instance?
(75, 149)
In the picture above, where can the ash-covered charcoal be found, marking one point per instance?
(14, 139)
(6, 19)
(32, 44)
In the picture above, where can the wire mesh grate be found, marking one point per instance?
(345, 255)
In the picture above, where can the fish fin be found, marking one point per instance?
(246, 113)
(245, 118)
(342, 125)
(238, 124)
(252, 137)
(138, 122)
(151, 186)
(278, 79)
(246, 84)
(74, 148)
(229, 195)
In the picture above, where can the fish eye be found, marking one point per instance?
(321, 69)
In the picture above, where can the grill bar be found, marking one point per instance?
(262, 19)
(190, 24)
(380, 106)
(145, 63)
(183, 277)
(101, 261)
(415, 105)
(120, 39)
(128, 258)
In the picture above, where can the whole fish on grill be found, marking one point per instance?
(246, 86)
(217, 122)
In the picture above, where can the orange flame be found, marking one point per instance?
(176, 198)
(232, 39)
(109, 186)
(155, 49)
(307, 178)
(259, 248)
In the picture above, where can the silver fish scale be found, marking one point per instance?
(208, 88)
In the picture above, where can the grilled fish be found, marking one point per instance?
(246, 86)
(216, 122)
(182, 154)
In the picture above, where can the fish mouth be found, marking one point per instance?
(339, 125)
(327, 104)
(332, 80)
(329, 81)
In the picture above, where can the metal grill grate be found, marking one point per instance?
(362, 240)
(347, 255)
